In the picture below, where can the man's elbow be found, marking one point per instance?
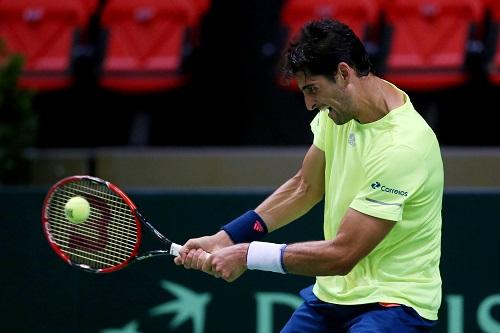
(341, 268)
(313, 193)
(341, 265)
(308, 189)
(345, 269)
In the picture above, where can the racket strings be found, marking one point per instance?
(92, 224)
(107, 238)
(95, 245)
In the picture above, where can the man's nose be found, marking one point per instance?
(310, 102)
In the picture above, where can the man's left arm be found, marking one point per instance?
(358, 235)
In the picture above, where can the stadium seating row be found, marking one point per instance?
(142, 42)
(418, 45)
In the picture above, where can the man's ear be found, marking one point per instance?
(343, 71)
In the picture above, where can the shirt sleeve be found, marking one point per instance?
(318, 129)
(393, 177)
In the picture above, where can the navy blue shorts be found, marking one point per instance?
(317, 316)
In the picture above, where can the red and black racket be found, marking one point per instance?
(110, 238)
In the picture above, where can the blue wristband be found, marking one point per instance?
(247, 228)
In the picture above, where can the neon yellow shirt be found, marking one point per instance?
(390, 169)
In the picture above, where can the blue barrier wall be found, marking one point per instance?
(40, 293)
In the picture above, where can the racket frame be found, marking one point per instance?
(171, 248)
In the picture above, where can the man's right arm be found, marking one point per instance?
(298, 195)
(289, 202)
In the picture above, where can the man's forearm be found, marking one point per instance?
(289, 202)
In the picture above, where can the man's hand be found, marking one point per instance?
(228, 263)
(194, 252)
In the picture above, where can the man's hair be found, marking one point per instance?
(321, 46)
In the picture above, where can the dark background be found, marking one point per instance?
(40, 293)
(232, 98)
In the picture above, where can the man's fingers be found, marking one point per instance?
(189, 259)
(178, 260)
(207, 264)
(201, 256)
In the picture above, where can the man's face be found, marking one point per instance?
(323, 93)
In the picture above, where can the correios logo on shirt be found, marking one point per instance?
(384, 188)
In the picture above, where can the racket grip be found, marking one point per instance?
(174, 249)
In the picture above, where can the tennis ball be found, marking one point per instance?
(77, 209)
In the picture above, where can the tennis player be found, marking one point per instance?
(377, 165)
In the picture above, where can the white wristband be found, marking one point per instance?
(265, 257)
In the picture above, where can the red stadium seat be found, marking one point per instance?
(146, 44)
(361, 16)
(428, 42)
(44, 32)
(90, 5)
(202, 7)
(494, 61)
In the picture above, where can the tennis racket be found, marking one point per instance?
(110, 238)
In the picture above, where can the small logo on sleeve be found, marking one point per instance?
(377, 185)
(352, 139)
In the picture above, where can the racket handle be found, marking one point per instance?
(174, 249)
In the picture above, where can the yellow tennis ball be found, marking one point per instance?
(77, 209)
